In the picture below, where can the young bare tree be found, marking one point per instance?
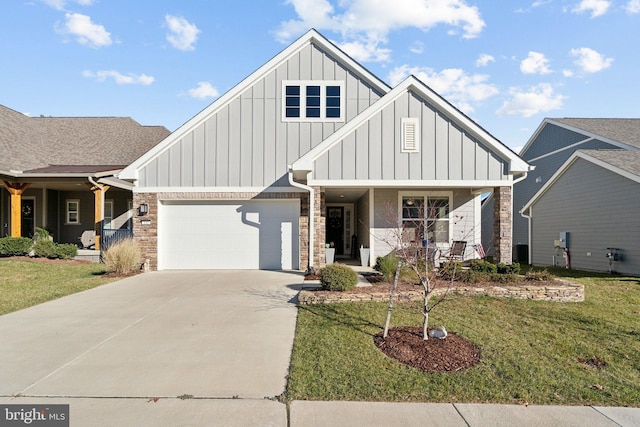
(416, 237)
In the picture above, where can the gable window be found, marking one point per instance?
(73, 212)
(313, 101)
(425, 217)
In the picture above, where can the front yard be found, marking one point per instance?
(25, 282)
(533, 352)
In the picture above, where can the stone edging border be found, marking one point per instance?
(564, 291)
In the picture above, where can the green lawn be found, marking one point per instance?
(25, 283)
(530, 350)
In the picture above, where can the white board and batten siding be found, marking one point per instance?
(228, 235)
(245, 142)
(445, 151)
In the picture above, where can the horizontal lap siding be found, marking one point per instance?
(599, 209)
(447, 152)
(245, 143)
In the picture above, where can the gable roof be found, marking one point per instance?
(622, 162)
(63, 144)
(311, 37)
(516, 164)
(620, 132)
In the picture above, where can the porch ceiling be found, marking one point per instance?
(343, 195)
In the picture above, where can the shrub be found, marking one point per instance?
(387, 265)
(338, 277)
(482, 266)
(45, 248)
(15, 246)
(538, 275)
(450, 270)
(513, 268)
(503, 278)
(122, 257)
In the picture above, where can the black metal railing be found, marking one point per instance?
(109, 237)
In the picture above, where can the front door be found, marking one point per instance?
(335, 228)
(28, 210)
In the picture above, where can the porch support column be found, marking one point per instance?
(319, 228)
(502, 224)
(98, 191)
(16, 189)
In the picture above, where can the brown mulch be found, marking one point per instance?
(451, 354)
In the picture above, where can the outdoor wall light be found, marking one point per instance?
(143, 209)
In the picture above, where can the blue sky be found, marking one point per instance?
(506, 64)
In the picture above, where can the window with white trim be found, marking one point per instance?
(73, 211)
(425, 217)
(313, 101)
(108, 214)
(410, 135)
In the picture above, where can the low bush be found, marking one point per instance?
(15, 246)
(450, 270)
(122, 257)
(45, 248)
(338, 277)
(513, 268)
(387, 265)
(538, 275)
(482, 266)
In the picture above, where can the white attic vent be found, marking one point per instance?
(410, 135)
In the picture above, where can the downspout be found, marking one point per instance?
(528, 234)
(311, 216)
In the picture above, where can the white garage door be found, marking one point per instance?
(228, 235)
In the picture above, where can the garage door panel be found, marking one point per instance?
(228, 235)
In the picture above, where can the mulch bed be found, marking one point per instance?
(451, 354)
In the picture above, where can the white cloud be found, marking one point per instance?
(596, 7)
(633, 6)
(364, 24)
(119, 78)
(417, 47)
(367, 50)
(84, 30)
(60, 4)
(182, 34)
(535, 100)
(484, 60)
(204, 90)
(589, 60)
(535, 63)
(454, 84)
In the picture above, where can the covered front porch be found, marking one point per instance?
(378, 219)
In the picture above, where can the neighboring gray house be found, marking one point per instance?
(312, 149)
(593, 200)
(551, 145)
(58, 173)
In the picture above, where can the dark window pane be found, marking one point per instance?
(313, 90)
(333, 113)
(313, 112)
(333, 90)
(293, 102)
(313, 101)
(293, 90)
(293, 112)
(333, 102)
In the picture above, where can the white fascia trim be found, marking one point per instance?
(115, 182)
(516, 164)
(568, 147)
(410, 183)
(311, 37)
(217, 190)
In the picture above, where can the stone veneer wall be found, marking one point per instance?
(147, 235)
(502, 225)
(562, 291)
(319, 228)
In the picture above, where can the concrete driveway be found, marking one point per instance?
(167, 335)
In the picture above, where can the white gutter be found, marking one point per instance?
(522, 178)
(311, 215)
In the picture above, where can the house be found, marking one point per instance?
(585, 216)
(309, 151)
(551, 145)
(59, 174)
